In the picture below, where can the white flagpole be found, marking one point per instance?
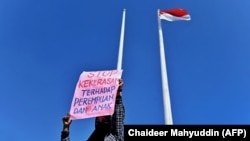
(166, 96)
(119, 62)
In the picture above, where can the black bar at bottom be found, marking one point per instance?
(187, 132)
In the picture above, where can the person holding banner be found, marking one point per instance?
(107, 128)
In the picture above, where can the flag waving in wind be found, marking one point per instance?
(176, 14)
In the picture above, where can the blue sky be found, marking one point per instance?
(46, 44)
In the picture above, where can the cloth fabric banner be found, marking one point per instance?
(176, 14)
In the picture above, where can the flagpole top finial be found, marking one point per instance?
(124, 9)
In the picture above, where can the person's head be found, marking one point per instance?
(102, 128)
(103, 121)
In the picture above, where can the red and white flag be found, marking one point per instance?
(176, 14)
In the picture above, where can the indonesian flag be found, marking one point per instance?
(176, 14)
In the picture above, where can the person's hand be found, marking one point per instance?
(120, 84)
(119, 91)
(66, 122)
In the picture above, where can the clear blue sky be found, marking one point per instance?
(46, 44)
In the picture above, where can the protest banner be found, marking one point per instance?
(95, 94)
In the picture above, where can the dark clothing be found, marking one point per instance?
(113, 132)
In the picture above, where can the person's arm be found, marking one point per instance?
(66, 124)
(65, 136)
(119, 114)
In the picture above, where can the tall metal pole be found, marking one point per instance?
(165, 89)
(120, 54)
